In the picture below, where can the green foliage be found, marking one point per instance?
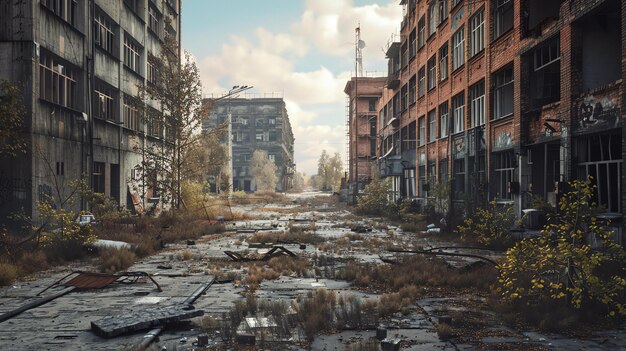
(64, 235)
(561, 264)
(490, 226)
(12, 112)
(329, 172)
(375, 199)
(441, 192)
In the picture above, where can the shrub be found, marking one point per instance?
(8, 273)
(114, 260)
(33, 261)
(490, 226)
(562, 265)
(444, 331)
(375, 199)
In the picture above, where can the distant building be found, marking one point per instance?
(362, 128)
(82, 122)
(257, 124)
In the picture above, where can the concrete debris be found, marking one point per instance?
(390, 345)
(112, 326)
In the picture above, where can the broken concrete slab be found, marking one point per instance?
(112, 326)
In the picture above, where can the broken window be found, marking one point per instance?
(104, 102)
(432, 73)
(132, 54)
(539, 11)
(443, 120)
(421, 83)
(104, 36)
(545, 79)
(600, 157)
(601, 47)
(421, 37)
(443, 62)
(458, 49)
(57, 81)
(477, 33)
(503, 167)
(154, 20)
(503, 17)
(432, 125)
(66, 9)
(421, 139)
(503, 93)
(477, 103)
(131, 114)
(458, 110)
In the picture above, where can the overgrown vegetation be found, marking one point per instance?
(490, 226)
(573, 262)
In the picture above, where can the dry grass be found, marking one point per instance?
(32, 261)
(287, 265)
(114, 260)
(8, 273)
(444, 331)
(292, 236)
(417, 270)
(185, 255)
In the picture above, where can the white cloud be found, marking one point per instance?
(269, 62)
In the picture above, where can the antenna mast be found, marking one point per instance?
(360, 44)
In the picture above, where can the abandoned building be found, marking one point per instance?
(505, 99)
(361, 128)
(256, 124)
(80, 65)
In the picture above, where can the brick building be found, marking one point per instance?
(506, 99)
(80, 64)
(362, 126)
(257, 124)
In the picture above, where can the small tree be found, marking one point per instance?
(263, 171)
(490, 225)
(12, 113)
(329, 171)
(178, 92)
(562, 264)
(375, 199)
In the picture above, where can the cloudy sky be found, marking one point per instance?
(302, 50)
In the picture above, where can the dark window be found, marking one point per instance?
(503, 167)
(154, 20)
(66, 9)
(132, 115)
(545, 79)
(443, 10)
(432, 72)
(458, 49)
(421, 138)
(412, 44)
(503, 93)
(421, 83)
(132, 54)
(412, 92)
(98, 177)
(371, 104)
(477, 104)
(432, 125)
(104, 36)
(405, 97)
(477, 33)
(443, 62)
(432, 18)
(104, 102)
(60, 168)
(503, 17)
(421, 36)
(443, 120)
(458, 111)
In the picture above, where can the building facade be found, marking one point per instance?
(505, 100)
(81, 65)
(256, 124)
(362, 127)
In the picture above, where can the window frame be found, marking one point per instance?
(477, 33)
(458, 49)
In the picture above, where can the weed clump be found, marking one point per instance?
(114, 260)
(8, 273)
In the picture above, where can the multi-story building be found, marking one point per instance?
(362, 127)
(506, 99)
(81, 65)
(256, 124)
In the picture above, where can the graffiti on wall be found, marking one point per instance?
(503, 140)
(598, 113)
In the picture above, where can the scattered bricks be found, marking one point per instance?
(112, 326)
(390, 345)
(381, 333)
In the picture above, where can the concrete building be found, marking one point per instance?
(257, 124)
(362, 127)
(507, 100)
(81, 64)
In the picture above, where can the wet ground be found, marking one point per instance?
(180, 269)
